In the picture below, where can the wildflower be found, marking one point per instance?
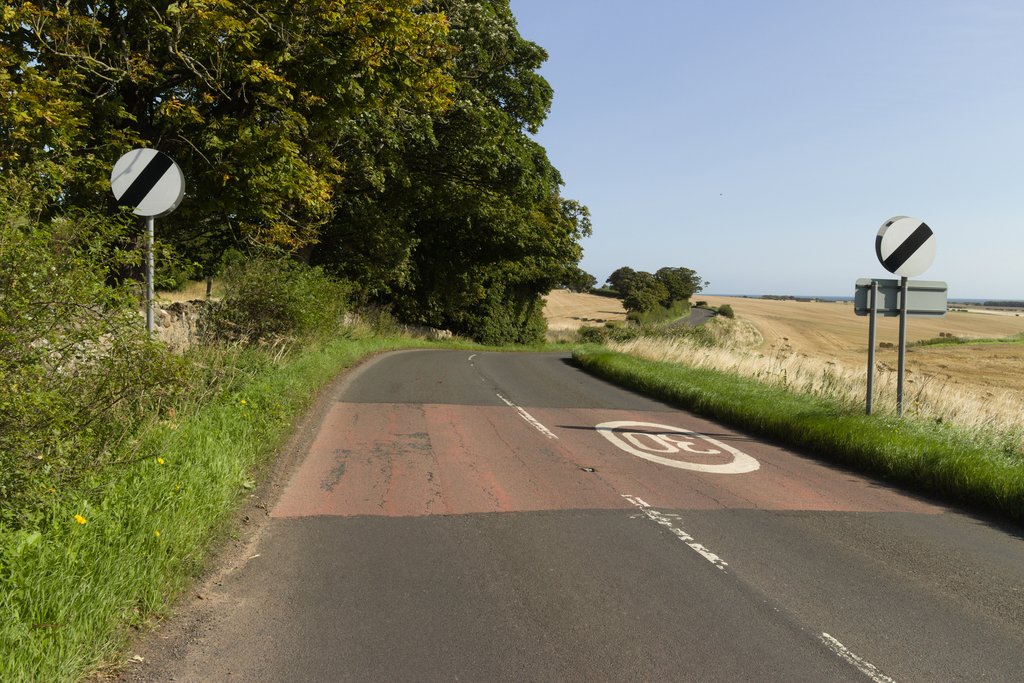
(80, 519)
(243, 402)
(157, 533)
(159, 461)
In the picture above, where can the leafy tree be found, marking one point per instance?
(644, 293)
(467, 228)
(681, 283)
(619, 280)
(576, 279)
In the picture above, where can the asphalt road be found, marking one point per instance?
(464, 516)
(697, 317)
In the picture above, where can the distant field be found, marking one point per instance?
(831, 332)
(567, 311)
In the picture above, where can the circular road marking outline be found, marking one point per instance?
(667, 440)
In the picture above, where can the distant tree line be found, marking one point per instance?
(386, 141)
(641, 291)
(1004, 304)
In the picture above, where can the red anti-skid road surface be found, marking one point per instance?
(409, 460)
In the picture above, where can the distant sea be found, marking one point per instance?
(818, 297)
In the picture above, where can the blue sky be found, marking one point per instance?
(764, 143)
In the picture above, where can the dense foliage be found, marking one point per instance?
(386, 140)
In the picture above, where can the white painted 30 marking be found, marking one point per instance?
(647, 440)
(668, 521)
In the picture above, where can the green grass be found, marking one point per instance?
(937, 459)
(70, 592)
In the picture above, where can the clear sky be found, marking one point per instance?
(763, 143)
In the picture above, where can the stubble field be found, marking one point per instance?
(832, 332)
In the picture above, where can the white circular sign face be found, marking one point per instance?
(148, 181)
(664, 444)
(905, 246)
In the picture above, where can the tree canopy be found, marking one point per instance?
(387, 140)
(642, 291)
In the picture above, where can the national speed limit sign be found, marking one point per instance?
(148, 182)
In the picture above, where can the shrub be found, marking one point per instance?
(275, 296)
(621, 333)
(726, 310)
(591, 335)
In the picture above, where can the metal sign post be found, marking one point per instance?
(901, 364)
(906, 247)
(892, 298)
(871, 344)
(152, 185)
(149, 274)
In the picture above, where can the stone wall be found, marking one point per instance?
(177, 324)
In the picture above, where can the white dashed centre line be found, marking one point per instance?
(837, 648)
(529, 418)
(869, 670)
(669, 521)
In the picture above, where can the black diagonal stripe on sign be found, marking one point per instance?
(908, 248)
(146, 180)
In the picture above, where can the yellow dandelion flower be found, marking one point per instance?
(243, 402)
(80, 519)
(157, 533)
(159, 461)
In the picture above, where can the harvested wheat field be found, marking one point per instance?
(832, 332)
(565, 310)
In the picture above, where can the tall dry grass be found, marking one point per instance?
(925, 398)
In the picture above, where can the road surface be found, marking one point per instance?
(465, 516)
(696, 318)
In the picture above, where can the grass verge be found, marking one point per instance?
(936, 459)
(108, 558)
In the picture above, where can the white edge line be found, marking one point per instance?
(866, 668)
(529, 418)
